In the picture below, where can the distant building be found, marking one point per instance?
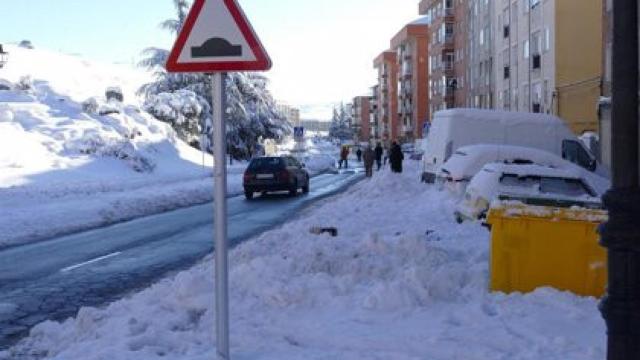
(4, 57)
(291, 113)
(447, 52)
(387, 97)
(316, 125)
(362, 118)
(411, 46)
(374, 114)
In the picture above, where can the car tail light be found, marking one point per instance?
(248, 176)
(283, 175)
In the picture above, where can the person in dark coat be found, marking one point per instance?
(344, 157)
(359, 154)
(369, 157)
(379, 151)
(396, 157)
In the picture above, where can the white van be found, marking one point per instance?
(455, 128)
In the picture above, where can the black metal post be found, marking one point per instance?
(621, 234)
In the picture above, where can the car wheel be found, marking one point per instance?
(305, 189)
(294, 190)
(248, 195)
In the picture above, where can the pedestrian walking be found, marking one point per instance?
(379, 152)
(369, 156)
(386, 156)
(344, 157)
(359, 154)
(396, 157)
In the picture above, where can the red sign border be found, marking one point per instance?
(262, 62)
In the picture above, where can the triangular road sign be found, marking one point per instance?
(217, 37)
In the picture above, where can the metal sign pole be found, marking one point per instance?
(220, 215)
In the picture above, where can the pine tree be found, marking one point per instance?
(251, 110)
(341, 123)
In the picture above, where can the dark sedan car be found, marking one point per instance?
(270, 174)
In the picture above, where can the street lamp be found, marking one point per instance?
(621, 234)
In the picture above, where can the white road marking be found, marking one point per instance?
(71, 268)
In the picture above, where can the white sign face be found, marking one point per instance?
(216, 37)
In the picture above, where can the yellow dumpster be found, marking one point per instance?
(534, 246)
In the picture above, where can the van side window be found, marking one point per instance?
(574, 152)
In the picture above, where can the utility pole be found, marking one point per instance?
(621, 234)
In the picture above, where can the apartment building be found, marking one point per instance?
(362, 118)
(545, 58)
(447, 52)
(291, 113)
(387, 66)
(411, 46)
(480, 54)
(374, 115)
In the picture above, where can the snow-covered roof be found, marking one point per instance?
(469, 160)
(421, 21)
(533, 170)
(513, 117)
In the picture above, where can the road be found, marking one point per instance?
(52, 280)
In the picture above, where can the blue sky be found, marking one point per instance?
(322, 50)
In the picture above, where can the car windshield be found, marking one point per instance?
(267, 163)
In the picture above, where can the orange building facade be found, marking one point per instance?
(411, 46)
(387, 97)
(362, 118)
(447, 52)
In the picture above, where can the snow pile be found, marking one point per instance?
(401, 281)
(65, 113)
(77, 150)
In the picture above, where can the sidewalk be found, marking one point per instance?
(401, 281)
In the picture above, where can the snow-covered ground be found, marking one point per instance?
(401, 281)
(63, 169)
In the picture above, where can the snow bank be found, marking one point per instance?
(79, 160)
(401, 281)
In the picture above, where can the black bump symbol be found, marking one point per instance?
(216, 47)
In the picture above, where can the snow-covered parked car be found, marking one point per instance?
(454, 128)
(529, 184)
(467, 161)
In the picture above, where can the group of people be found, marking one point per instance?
(372, 156)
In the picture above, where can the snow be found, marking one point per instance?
(64, 170)
(400, 281)
(469, 160)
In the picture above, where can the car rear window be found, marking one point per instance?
(568, 187)
(267, 163)
(548, 185)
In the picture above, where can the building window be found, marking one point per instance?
(526, 49)
(547, 39)
(507, 72)
(536, 61)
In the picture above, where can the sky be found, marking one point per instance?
(322, 51)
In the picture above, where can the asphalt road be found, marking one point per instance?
(52, 280)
